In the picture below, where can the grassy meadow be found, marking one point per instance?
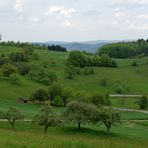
(129, 134)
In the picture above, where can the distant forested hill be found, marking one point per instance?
(89, 46)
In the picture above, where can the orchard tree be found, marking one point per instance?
(46, 118)
(12, 115)
(79, 112)
(108, 117)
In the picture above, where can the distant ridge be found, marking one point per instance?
(89, 46)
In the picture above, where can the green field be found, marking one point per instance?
(134, 78)
(129, 134)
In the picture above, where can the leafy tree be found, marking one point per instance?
(79, 112)
(18, 56)
(143, 102)
(12, 115)
(23, 68)
(98, 99)
(14, 78)
(54, 91)
(46, 118)
(77, 59)
(66, 95)
(40, 95)
(8, 69)
(105, 60)
(70, 72)
(108, 117)
(52, 77)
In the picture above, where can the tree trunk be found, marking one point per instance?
(45, 129)
(108, 129)
(12, 123)
(79, 126)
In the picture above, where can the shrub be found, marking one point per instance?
(143, 102)
(14, 78)
(8, 69)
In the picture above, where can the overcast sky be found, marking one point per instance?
(73, 20)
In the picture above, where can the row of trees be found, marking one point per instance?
(58, 95)
(57, 48)
(79, 59)
(125, 49)
(78, 112)
(23, 45)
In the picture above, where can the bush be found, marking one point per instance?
(88, 71)
(14, 78)
(8, 69)
(104, 81)
(70, 72)
(58, 101)
(98, 99)
(120, 90)
(134, 63)
(143, 102)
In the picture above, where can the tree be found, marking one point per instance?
(79, 112)
(108, 117)
(14, 78)
(70, 72)
(52, 77)
(40, 95)
(77, 59)
(12, 115)
(66, 95)
(8, 69)
(46, 118)
(105, 60)
(54, 91)
(143, 102)
(98, 99)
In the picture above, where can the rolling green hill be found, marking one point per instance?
(134, 78)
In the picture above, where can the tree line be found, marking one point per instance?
(57, 48)
(78, 112)
(79, 59)
(125, 49)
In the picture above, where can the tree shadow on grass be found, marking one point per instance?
(89, 132)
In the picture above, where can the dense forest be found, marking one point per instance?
(126, 49)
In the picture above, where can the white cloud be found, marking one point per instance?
(142, 16)
(60, 11)
(120, 14)
(67, 24)
(143, 27)
(18, 5)
(132, 25)
(33, 20)
(115, 23)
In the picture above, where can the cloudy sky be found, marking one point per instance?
(73, 20)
